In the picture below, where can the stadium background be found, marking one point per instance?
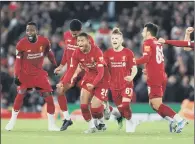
(98, 19)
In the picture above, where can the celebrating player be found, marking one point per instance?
(30, 52)
(95, 82)
(70, 43)
(122, 67)
(187, 43)
(153, 59)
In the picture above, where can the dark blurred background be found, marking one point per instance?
(98, 19)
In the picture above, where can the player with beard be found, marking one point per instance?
(30, 53)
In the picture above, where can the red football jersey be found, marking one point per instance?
(89, 63)
(32, 54)
(70, 47)
(119, 64)
(155, 66)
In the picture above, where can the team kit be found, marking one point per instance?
(95, 73)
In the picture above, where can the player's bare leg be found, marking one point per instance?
(50, 111)
(167, 113)
(97, 109)
(16, 108)
(63, 105)
(85, 100)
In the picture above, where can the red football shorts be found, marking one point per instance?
(117, 95)
(101, 92)
(39, 81)
(157, 90)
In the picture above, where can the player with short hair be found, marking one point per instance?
(95, 82)
(153, 59)
(187, 43)
(122, 67)
(70, 38)
(30, 53)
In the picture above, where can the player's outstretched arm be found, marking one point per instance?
(73, 66)
(178, 43)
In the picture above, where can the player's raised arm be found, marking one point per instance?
(189, 31)
(50, 54)
(146, 55)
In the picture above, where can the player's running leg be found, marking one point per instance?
(107, 111)
(17, 105)
(85, 100)
(62, 101)
(97, 110)
(166, 112)
(50, 111)
(127, 114)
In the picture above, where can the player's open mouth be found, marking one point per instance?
(114, 43)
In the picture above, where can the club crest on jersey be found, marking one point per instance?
(147, 48)
(92, 59)
(101, 59)
(41, 48)
(123, 58)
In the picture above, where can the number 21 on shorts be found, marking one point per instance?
(104, 92)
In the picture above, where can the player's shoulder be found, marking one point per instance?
(67, 34)
(108, 51)
(128, 52)
(21, 43)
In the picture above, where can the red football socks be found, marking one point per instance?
(18, 102)
(164, 110)
(62, 101)
(86, 112)
(126, 110)
(97, 112)
(50, 104)
(111, 108)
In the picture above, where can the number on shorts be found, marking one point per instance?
(104, 92)
(128, 91)
(159, 54)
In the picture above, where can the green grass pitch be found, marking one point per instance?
(35, 132)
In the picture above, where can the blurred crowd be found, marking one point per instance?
(98, 20)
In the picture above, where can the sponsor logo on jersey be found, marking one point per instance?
(28, 50)
(69, 40)
(118, 64)
(34, 56)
